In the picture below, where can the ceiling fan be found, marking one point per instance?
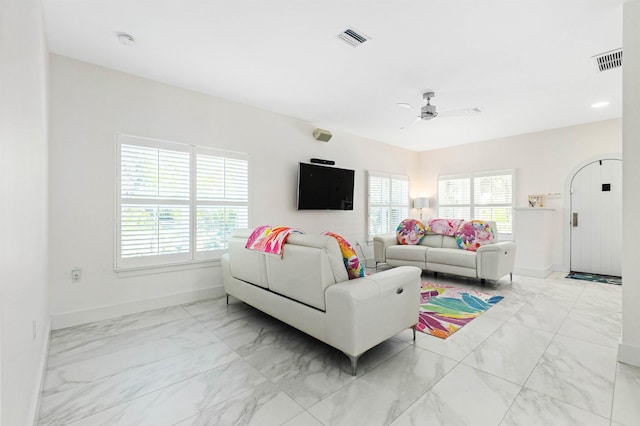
(429, 112)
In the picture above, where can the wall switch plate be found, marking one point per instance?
(75, 275)
(554, 196)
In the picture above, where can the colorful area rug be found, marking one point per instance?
(608, 279)
(446, 309)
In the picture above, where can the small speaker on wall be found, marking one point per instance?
(322, 135)
(321, 161)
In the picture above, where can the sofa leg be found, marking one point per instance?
(354, 364)
(511, 277)
(414, 333)
(482, 281)
(227, 299)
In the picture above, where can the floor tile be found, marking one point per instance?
(462, 342)
(381, 395)
(99, 395)
(578, 373)
(593, 325)
(543, 313)
(626, 400)
(181, 400)
(264, 405)
(89, 332)
(535, 409)
(303, 419)
(464, 397)
(180, 337)
(104, 345)
(316, 378)
(511, 353)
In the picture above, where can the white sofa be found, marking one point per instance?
(440, 253)
(308, 288)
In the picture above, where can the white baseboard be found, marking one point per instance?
(533, 272)
(35, 405)
(629, 354)
(69, 319)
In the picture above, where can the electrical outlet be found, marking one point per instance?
(75, 275)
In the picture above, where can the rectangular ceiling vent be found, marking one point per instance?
(609, 60)
(352, 37)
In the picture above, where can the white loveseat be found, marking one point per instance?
(440, 253)
(308, 288)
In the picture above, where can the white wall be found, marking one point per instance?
(23, 210)
(543, 162)
(629, 349)
(89, 104)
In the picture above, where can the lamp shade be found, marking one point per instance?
(421, 203)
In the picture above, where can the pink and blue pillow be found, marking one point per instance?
(355, 269)
(473, 234)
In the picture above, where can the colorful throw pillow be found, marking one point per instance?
(474, 234)
(355, 269)
(444, 226)
(410, 232)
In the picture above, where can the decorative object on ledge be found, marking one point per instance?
(421, 203)
(536, 200)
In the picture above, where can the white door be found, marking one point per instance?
(596, 218)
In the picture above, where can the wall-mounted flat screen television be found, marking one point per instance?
(324, 188)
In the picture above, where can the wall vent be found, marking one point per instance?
(353, 37)
(609, 60)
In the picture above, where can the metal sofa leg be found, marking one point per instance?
(354, 364)
(511, 277)
(414, 333)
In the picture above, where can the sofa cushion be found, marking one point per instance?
(411, 253)
(453, 257)
(309, 264)
(474, 234)
(432, 240)
(410, 232)
(354, 268)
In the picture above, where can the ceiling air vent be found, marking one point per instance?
(352, 37)
(609, 60)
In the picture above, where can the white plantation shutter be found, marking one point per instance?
(493, 199)
(388, 202)
(176, 202)
(222, 199)
(485, 196)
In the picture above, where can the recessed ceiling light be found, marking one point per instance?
(600, 104)
(126, 39)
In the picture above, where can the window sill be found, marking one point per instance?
(160, 269)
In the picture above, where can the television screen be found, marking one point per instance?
(324, 188)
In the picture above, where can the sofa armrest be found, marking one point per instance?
(380, 244)
(496, 260)
(366, 311)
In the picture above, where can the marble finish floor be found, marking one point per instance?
(545, 355)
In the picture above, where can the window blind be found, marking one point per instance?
(484, 196)
(388, 202)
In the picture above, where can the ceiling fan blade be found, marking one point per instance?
(406, 105)
(410, 124)
(461, 112)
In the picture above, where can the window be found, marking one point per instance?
(388, 202)
(176, 203)
(485, 196)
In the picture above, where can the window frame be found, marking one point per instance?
(193, 256)
(390, 205)
(473, 205)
